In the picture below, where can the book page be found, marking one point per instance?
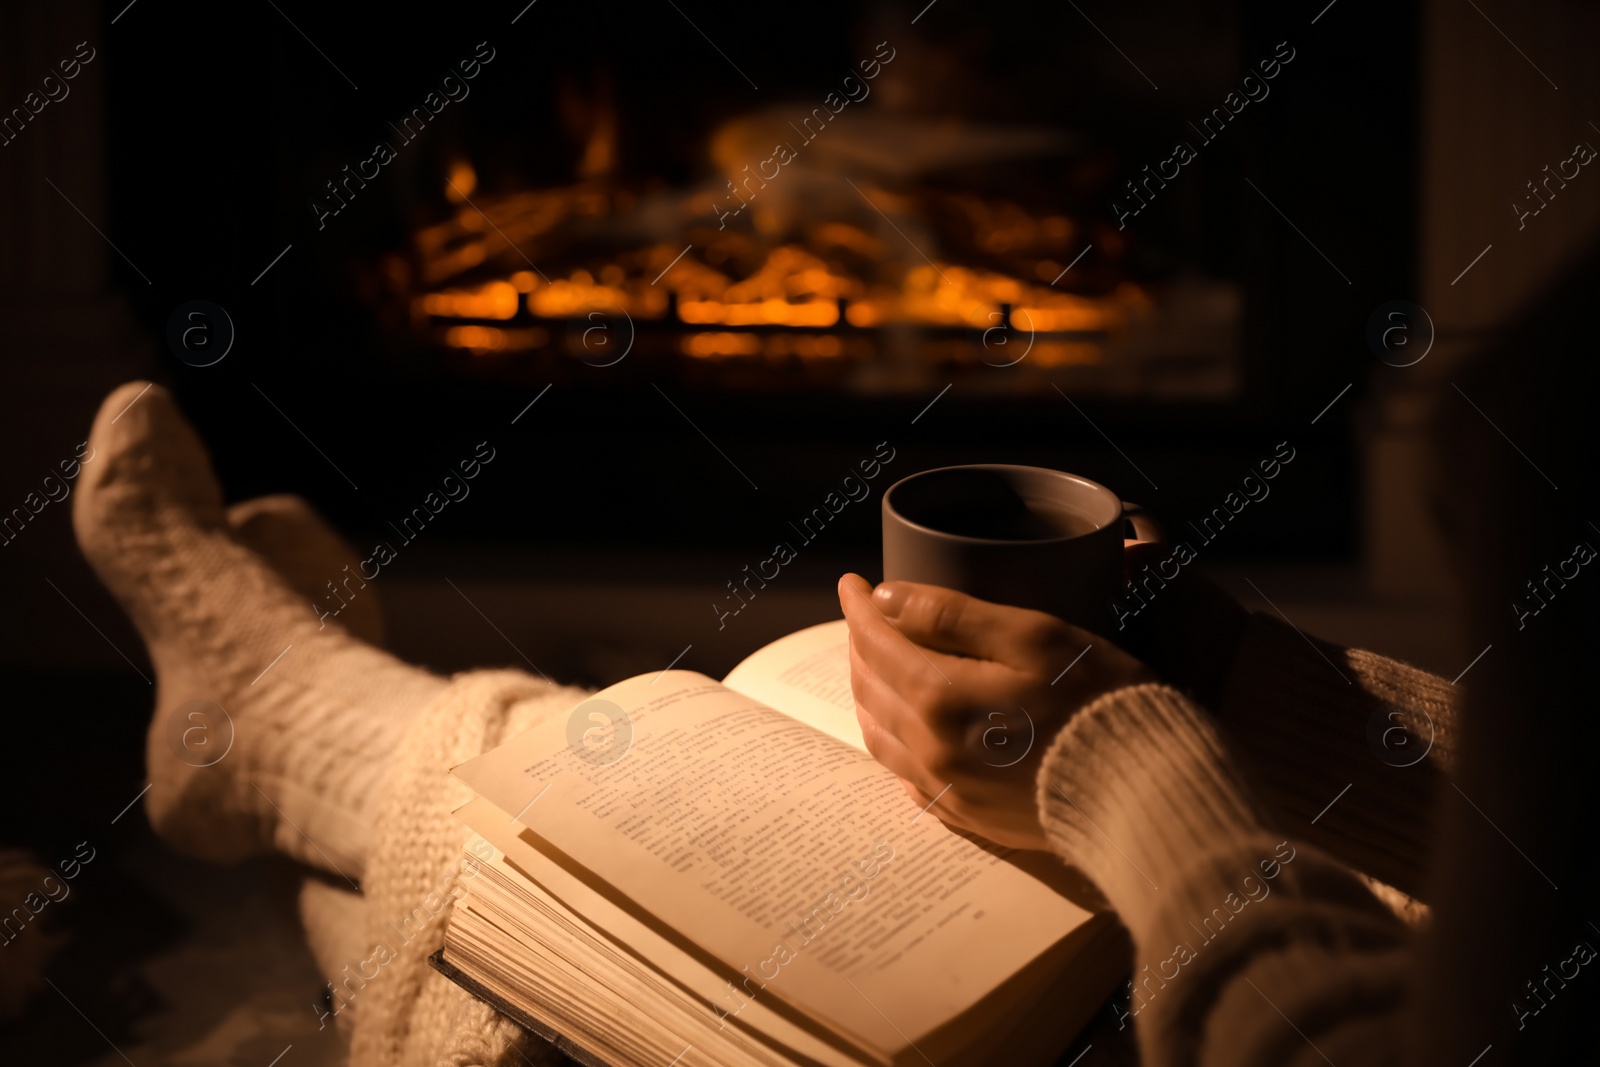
(788, 855)
(618, 925)
(805, 675)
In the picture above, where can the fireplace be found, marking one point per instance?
(661, 235)
(820, 288)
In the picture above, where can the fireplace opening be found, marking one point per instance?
(1096, 239)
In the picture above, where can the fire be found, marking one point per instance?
(492, 339)
(492, 300)
(515, 272)
(462, 183)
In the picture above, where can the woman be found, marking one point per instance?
(1171, 779)
(1220, 783)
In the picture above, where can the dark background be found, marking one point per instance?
(214, 162)
(199, 136)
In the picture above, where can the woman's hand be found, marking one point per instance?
(960, 697)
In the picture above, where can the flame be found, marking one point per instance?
(462, 182)
(795, 288)
(482, 340)
(493, 300)
(732, 296)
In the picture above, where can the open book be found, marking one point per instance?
(692, 872)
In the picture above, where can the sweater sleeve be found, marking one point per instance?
(1251, 949)
(1349, 748)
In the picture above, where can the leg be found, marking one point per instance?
(294, 540)
(315, 711)
(334, 760)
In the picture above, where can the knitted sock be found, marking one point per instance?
(286, 532)
(294, 540)
(308, 713)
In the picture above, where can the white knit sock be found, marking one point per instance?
(295, 541)
(289, 535)
(314, 711)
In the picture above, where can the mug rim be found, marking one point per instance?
(1079, 479)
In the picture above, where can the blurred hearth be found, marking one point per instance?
(921, 238)
(826, 291)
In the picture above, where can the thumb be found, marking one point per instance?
(853, 582)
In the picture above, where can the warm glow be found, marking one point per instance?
(732, 295)
(1064, 354)
(805, 345)
(483, 340)
(478, 338)
(495, 300)
(463, 181)
(706, 345)
(770, 312)
(864, 313)
(567, 298)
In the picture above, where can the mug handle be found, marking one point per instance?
(1138, 524)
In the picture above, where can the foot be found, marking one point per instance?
(300, 714)
(287, 533)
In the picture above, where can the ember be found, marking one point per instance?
(848, 267)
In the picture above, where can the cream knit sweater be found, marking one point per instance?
(1226, 848)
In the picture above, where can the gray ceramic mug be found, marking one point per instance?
(1024, 536)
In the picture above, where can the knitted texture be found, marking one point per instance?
(291, 760)
(1309, 721)
(1140, 794)
(295, 541)
(411, 1016)
(1136, 780)
(478, 1036)
(326, 749)
(335, 921)
(286, 531)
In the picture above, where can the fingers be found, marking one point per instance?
(892, 712)
(887, 749)
(876, 706)
(938, 803)
(853, 582)
(932, 744)
(952, 622)
(892, 655)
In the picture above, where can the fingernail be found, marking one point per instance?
(889, 598)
